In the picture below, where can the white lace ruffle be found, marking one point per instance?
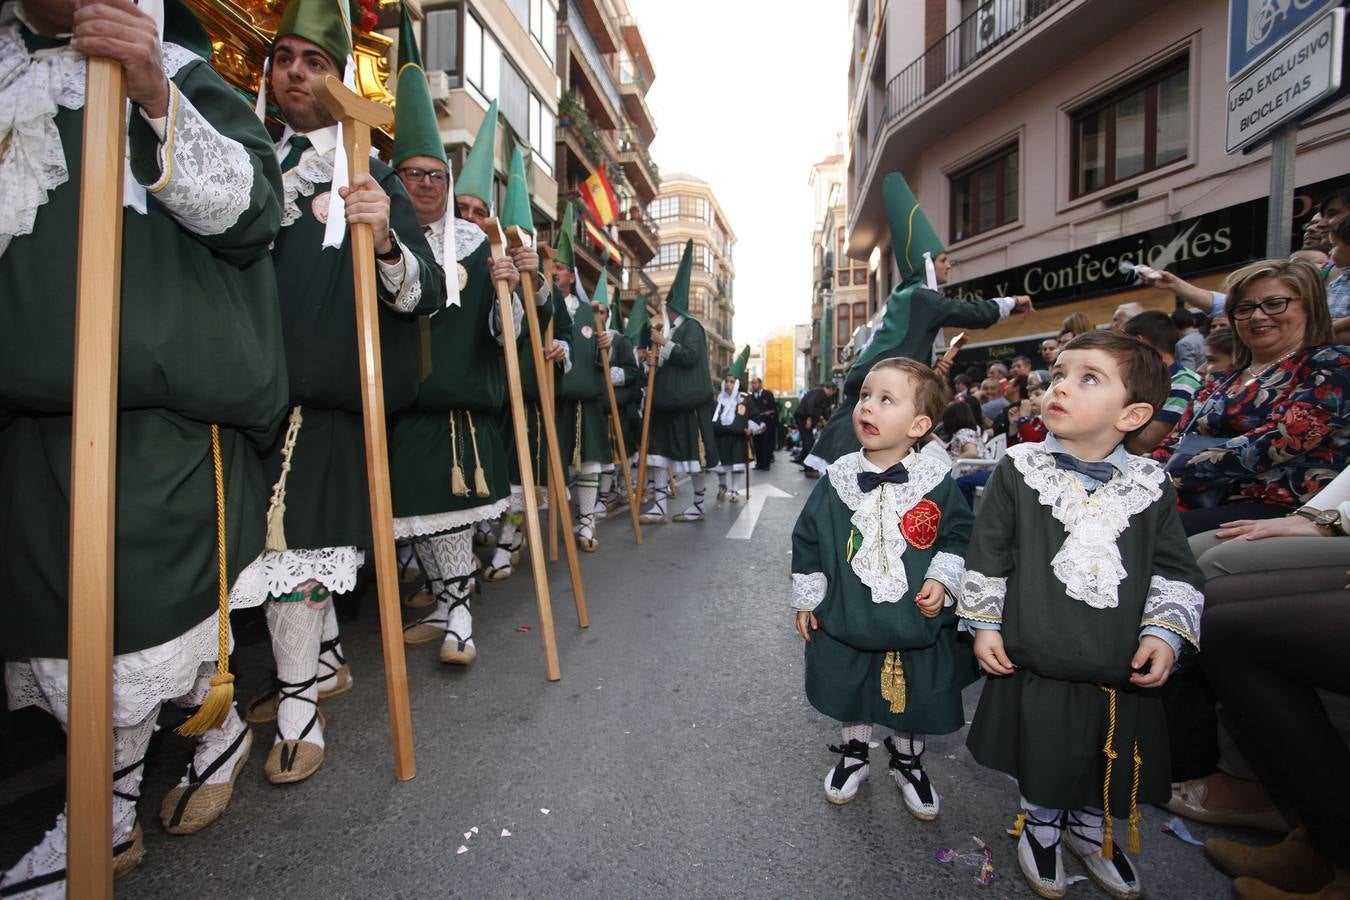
(277, 572)
(808, 589)
(423, 526)
(468, 237)
(313, 169)
(1176, 606)
(141, 679)
(206, 179)
(1089, 564)
(949, 569)
(982, 597)
(410, 292)
(879, 559)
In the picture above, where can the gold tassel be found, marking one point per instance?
(480, 486)
(276, 509)
(220, 697)
(1135, 815)
(576, 450)
(1108, 824)
(457, 485)
(893, 686)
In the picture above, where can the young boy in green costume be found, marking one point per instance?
(876, 567)
(1080, 587)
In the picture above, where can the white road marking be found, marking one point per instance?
(744, 527)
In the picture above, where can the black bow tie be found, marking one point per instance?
(896, 474)
(1098, 471)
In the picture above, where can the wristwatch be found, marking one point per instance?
(395, 251)
(1329, 521)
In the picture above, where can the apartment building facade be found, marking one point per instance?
(687, 209)
(1050, 140)
(840, 306)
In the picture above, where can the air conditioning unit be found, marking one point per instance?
(439, 83)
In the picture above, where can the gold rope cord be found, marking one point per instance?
(1110, 752)
(216, 705)
(893, 686)
(479, 479)
(457, 486)
(276, 506)
(576, 451)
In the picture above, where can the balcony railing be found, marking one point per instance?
(591, 53)
(978, 34)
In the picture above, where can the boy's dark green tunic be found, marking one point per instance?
(327, 499)
(200, 344)
(846, 539)
(583, 403)
(1047, 724)
(681, 398)
(467, 387)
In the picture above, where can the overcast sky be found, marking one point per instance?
(748, 96)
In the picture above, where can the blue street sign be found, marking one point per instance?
(1256, 27)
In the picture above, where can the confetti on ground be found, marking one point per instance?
(1018, 824)
(542, 810)
(467, 835)
(981, 860)
(522, 628)
(1074, 879)
(462, 849)
(505, 833)
(474, 829)
(1177, 828)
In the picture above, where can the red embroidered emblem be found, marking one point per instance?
(920, 524)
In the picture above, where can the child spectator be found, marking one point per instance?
(1027, 425)
(1218, 353)
(876, 566)
(1156, 329)
(965, 441)
(1081, 588)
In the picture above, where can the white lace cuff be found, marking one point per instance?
(982, 598)
(278, 572)
(617, 376)
(206, 179)
(1176, 606)
(949, 569)
(666, 349)
(567, 355)
(403, 279)
(808, 589)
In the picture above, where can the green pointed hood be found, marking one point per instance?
(407, 41)
(601, 293)
(742, 362)
(911, 233)
(326, 23)
(677, 298)
(476, 179)
(638, 319)
(615, 311)
(416, 130)
(566, 255)
(517, 206)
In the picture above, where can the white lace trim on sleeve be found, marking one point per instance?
(982, 597)
(808, 589)
(949, 569)
(410, 292)
(206, 179)
(1176, 606)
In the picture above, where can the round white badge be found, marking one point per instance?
(320, 208)
(586, 332)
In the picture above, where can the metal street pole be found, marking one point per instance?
(1280, 213)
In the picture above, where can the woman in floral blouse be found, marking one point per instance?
(1273, 432)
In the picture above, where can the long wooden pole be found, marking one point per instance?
(546, 390)
(93, 484)
(556, 499)
(647, 421)
(623, 449)
(533, 539)
(358, 116)
(749, 458)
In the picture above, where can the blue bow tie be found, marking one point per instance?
(1097, 471)
(896, 474)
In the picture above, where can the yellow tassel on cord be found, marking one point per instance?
(276, 509)
(1135, 815)
(1108, 824)
(479, 478)
(893, 686)
(220, 697)
(576, 450)
(457, 485)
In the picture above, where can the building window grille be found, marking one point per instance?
(984, 196)
(1137, 129)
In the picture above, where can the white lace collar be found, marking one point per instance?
(878, 560)
(1089, 564)
(315, 168)
(32, 88)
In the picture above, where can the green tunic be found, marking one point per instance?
(200, 344)
(1046, 725)
(327, 498)
(627, 396)
(681, 429)
(456, 417)
(583, 404)
(845, 657)
(732, 442)
(534, 428)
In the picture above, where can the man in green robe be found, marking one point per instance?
(915, 312)
(200, 357)
(626, 377)
(318, 519)
(681, 418)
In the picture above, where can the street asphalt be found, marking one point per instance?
(676, 757)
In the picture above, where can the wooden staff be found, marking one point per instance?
(647, 423)
(556, 499)
(623, 449)
(533, 538)
(749, 458)
(545, 380)
(358, 115)
(93, 483)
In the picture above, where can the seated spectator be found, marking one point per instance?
(1025, 425)
(1338, 287)
(1015, 392)
(1190, 348)
(1074, 325)
(1260, 442)
(965, 440)
(1021, 365)
(962, 384)
(1218, 353)
(999, 372)
(1275, 632)
(1049, 350)
(1124, 313)
(991, 395)
(1319, 258)
(1155, 328)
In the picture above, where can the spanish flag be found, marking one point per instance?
(599, 197)
(602, 241)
